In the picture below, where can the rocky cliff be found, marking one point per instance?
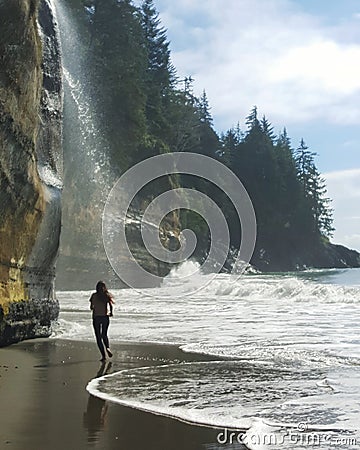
(30, 167)
(320, 254)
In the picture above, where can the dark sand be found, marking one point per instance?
(44, 404)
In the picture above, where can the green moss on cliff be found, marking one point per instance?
(21, 195)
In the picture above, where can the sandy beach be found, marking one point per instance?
(44, 403)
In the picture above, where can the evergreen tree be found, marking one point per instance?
(184, 133)
(313, 190)
(252, 120)
(289, 192)
(204, 110)
(208, 139)
(230, 142)
(160, 69)
(320, 205)
(160, 73)
(118, 57)
(147, 112)
(287, 168)
(259, 147)
(267, 128)
(284, 141)
(304, 160)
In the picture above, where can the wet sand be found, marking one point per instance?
(44, 404)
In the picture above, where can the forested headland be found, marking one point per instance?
(149, 109)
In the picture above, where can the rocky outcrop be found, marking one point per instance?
(320, 254)
(328, 255)
(30, 168)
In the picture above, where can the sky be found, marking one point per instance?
(298, 61)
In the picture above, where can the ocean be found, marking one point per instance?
(284, 354)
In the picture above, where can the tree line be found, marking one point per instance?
(149, 110)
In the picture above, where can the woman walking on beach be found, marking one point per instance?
(101, 304)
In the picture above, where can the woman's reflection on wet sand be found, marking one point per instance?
(96, 410)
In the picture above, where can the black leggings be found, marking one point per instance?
(101, 325)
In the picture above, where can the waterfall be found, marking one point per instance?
(87, 168)
(96, 151)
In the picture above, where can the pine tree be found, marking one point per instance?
(314, 191)
(260, 146)
(230, 142)
(160, 73)
(284, 141)
(304, 160)
(320, 205)
(289, 191)
(267, 128)
(160, 69)
(286, 162)
(204, 110)
(118, 59)
(252, 120)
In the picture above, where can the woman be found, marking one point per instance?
(101, 303)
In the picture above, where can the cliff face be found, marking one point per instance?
(30, 162)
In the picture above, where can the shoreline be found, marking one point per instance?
(45, 404)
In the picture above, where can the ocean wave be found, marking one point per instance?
(65, 329)
(235, 395)
(283, 288)
(284, 355)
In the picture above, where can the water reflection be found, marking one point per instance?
(96, 410)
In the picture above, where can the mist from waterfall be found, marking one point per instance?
(83, 135)
(88, 176)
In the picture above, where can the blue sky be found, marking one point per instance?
(298, 61)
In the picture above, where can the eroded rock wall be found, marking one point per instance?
(30, 168)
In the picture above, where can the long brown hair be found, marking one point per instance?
(103, 293)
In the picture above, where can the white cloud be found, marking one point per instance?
(345, 184)
(322, 64)
(351, 241)
(269, 53)
(296, 67)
